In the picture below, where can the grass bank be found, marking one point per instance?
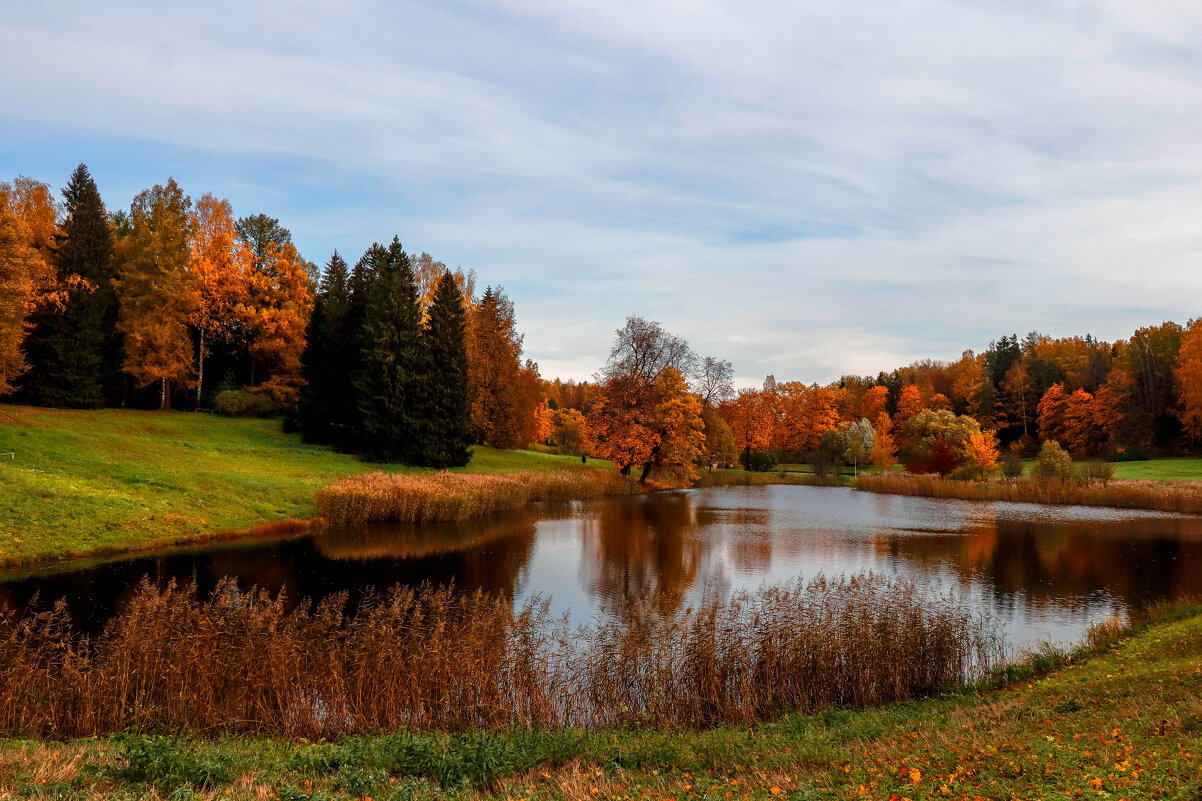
(433, 659)
(89, 482)
(1124, 722)
(1162, 496)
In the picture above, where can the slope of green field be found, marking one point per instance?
(95, 481)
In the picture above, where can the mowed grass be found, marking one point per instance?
(1123, 723)
(86, 482)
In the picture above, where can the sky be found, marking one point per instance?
(807, 189)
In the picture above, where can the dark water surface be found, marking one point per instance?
(1046, 573)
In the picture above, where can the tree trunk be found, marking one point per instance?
(200, 373)
(164, 397)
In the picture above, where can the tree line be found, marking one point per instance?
(1119, 400)
(178, 303)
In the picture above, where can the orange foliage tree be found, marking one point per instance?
(503, 394)
(1051, 409)
(157, 295)
(1188, 373)
(220, 272)
(32, 202)
(280, 302)
(19, 262)
(750, 420)
(884, 450)
(980, 454)
(872, 404)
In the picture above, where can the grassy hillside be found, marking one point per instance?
(1126, 723)
(95, 481)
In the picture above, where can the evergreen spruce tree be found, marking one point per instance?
(390, 383)
(322, 409)
(75, 352)
(448, 410)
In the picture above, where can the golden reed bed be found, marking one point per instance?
(1162, 496)
(445, 496)
(427, 659)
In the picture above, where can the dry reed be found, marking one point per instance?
(1163, 496)
(446, 496)
(432, 659)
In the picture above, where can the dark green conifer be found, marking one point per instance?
(323, 410)
(75, 353)
(391, 376)
(448, 412)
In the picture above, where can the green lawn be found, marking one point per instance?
(1182, 469)
(1125, 723)
(96, 481)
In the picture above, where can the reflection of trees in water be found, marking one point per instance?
(1135, 560)
(489, 557)
(642, 547)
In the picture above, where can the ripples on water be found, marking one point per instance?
(1045, 573)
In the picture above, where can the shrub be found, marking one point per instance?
(1098, 470)
(240, 403)
(1012, 465)
(1053, 462)
(759, 461)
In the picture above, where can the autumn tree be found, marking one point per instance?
(276, 313)
(1149, 358)
(391, 382)
(645, 416)
(157, 296)
(750, 421)
(884, 451)
(1051, 409)
(720, 445)
(908, 405)
(935, 441)
(74, 350)
(680, 428)
(447, 405)
(1188, 373)
(33, 204)
(980, 455)
(502, 403)
(18, 262)
(570, 432)
(428, 273)
(221, 274)
(873, 402)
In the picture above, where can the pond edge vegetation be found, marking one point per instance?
(435, 659)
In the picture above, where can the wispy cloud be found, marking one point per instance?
(806, 189)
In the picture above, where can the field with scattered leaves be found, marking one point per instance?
(1123, 721)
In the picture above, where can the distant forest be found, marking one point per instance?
(178, 303)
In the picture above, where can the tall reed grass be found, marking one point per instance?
(434, 659)
(446, 496)
(1163, 496)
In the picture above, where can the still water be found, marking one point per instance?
(1045, 573)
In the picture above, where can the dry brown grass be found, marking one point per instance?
(1162, 496)
(435, 659)
(446, 496)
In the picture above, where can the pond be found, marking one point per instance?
(1045, 573)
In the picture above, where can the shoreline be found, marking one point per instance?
(1175, 497)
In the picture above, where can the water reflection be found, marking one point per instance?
(1045, 572)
